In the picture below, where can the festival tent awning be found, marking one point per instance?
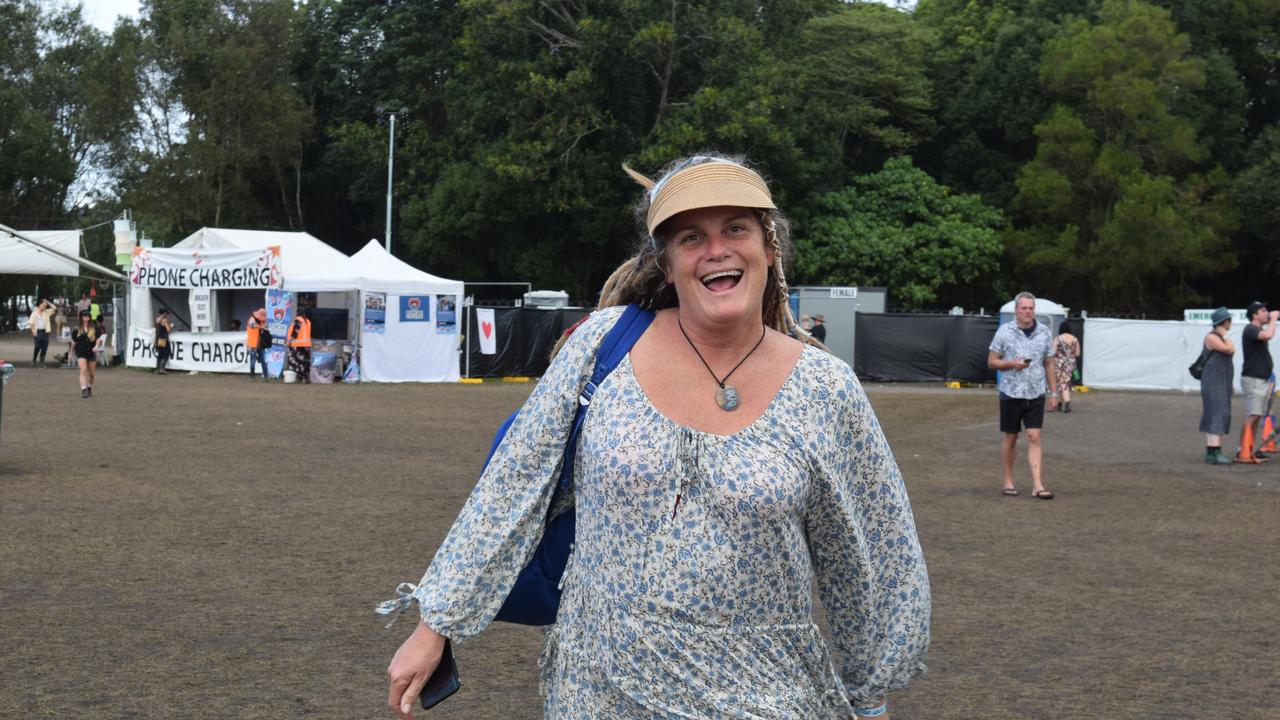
(307, 263)
(18, 256)
(376, 270)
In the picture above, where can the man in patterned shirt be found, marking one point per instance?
(1022, 350)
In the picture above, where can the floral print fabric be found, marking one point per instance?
(689, 590)
(1013, 344)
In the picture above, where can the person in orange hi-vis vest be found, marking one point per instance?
(300, 346)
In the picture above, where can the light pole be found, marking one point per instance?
(391, 156)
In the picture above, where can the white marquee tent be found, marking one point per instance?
(415, 341)
(18, 256)
(307, 263)
(412, 346)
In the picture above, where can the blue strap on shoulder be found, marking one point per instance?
(621, 338)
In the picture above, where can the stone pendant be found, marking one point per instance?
(727, 398)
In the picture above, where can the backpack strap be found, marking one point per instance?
(621, 338)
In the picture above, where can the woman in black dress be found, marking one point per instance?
(84, 343)
(163, 328)
(1215, 388)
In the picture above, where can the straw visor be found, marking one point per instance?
(707, 185)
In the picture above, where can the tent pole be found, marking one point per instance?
(466, 335)
(78, 260)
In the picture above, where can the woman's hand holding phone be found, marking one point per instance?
(412, 665)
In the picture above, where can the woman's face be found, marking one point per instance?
(718, 263)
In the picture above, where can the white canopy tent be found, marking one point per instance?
(307, 263)
(18, 256)
(415, 340)
(418, 341)
(1047, 311)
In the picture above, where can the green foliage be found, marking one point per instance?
(1256, 192)
(1116, 205)
(1108, 133)
(860, 94)
(900, 229)
(221, 136)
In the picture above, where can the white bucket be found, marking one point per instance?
(290, 376)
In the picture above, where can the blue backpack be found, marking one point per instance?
(535, 597)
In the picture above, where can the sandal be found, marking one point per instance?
(1042, 494)
(1011, 492)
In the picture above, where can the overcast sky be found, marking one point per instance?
(102, 13)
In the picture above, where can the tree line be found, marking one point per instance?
(1119, 156)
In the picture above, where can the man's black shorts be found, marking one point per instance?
(1016, 413)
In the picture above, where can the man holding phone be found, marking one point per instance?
(1022, 350)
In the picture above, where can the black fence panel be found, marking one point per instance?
(896, 347)
(524, 338)
(968, 344)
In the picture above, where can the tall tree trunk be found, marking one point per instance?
(664, 81)
(297, 187)
(284, 195)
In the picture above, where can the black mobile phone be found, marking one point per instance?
(443, 682)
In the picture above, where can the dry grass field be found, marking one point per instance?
(209, 547)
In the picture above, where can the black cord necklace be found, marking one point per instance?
(726, 395)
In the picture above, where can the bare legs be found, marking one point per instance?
(1035, 457)
(1006, 456)
(87, 368)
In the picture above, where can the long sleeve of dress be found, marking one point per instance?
(862, 539)
(501, 523)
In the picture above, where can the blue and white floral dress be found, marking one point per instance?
(689, 591)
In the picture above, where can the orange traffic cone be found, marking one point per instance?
(1246, 447)
(1269, 431)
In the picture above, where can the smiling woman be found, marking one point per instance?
(706, 511)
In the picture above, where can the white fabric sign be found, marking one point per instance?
(1151, 354)
(408, 351)
(200, 308)
(487, 331)
(206, 352)
(209, 269)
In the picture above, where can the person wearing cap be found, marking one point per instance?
(819, 331)
(84, 343)
(1255, 375)
(1215, 387)
(723, 470)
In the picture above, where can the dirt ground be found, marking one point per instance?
(208, 547)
